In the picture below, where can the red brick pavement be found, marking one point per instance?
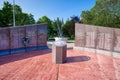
(37, 65)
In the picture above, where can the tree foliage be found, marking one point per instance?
(58, 26)
(6, 16)
(69, 29)
(64, 29)
(104, 13)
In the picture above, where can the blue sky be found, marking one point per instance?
(53, 8)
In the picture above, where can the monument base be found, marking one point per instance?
(59, 54)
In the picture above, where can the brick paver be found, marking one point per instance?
(37, 65)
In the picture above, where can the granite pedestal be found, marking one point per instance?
(59, 54)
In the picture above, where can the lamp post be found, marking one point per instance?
(13, 13)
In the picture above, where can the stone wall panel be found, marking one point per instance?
(91, 35)
(4, 39)
(12, 38)
(80, 35)
(117, 40)
(104, 38)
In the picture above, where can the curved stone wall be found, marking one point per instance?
(14, 39)
(97, 39)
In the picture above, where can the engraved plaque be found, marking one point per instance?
(117, 40)
(31, 32)
(42, 35)
(90, 39)
(42, 28)
(22, 34)
(42, 39)
(4, 39)
(101, 40)
(79, 35)
(14, 37)
(91, 33)
(108, 41)
(104, 38)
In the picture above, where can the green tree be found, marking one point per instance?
(45, 19)
(23, 18)
(6, 16)
(87, 17)
(104, 13)
(1, 18)
(31, 19)
(59, 27)
(69, 29)
(66, 28)
(55, 28)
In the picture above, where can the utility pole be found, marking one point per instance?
(13, 13)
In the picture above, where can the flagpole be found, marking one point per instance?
(13, 13)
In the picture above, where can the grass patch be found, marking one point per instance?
(71, 41)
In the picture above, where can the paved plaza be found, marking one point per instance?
(37, 65)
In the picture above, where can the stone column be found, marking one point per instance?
(59, 54)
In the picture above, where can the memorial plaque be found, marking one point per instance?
(90, 39)
(101, 40)
(117, 40)
(14, 37)
(42, 28)
(22, 34)
(4, 39)
(42, 39)
(80, 35)
(91, 35)
(108, 41)
(31, 33)
(32, 41)
(24, 38)
(0, 36)
(104, 38)
(42, 35)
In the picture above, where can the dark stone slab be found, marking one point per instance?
(42, 35)
(42, 47)
(14, 37)
(4, 52)
(31, 48)
(22, 34)
(19, 50)
(4, 39)
(42, 39)
(31, 32)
